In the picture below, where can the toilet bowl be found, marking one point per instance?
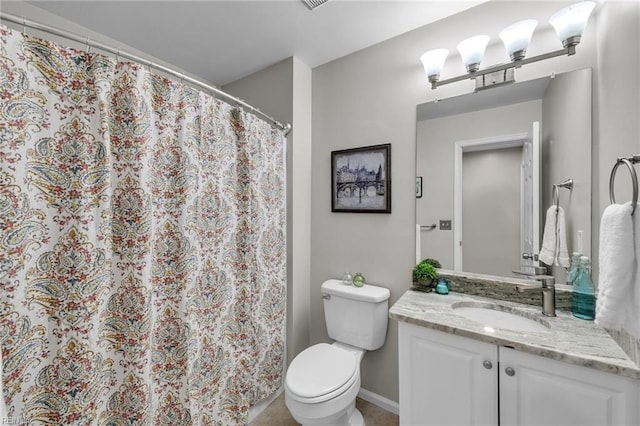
(323, 381)
(322, 384)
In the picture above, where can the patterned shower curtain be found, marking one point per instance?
(142, 245)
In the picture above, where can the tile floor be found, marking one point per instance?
(277, 414)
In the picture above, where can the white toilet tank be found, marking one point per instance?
(356, 316)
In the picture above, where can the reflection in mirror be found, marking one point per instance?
(473, 160)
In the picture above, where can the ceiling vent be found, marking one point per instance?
(312, 4)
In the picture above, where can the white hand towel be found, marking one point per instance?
(632, 322)
(548, 249)
(554, 238)
(617, 272)
(562, 254)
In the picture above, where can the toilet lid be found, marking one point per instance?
(319, 370)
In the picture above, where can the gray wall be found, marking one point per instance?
(435, 162)
(370, 97)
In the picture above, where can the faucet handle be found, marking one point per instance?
(530, 270)
(548, 281)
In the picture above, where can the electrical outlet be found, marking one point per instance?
(445, 225)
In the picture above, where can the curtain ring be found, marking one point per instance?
(634, 182)
(24, 25)
(88, 45)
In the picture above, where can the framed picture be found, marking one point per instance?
(361, 179)
(419, 187)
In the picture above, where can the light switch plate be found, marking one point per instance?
(445, 225)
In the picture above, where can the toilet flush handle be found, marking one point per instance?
(326, 296)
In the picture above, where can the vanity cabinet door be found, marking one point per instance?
(446, 379)
(540, 391)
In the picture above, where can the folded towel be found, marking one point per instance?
(618, 267)
(554, 238)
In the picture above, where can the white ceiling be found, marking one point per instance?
(222, 41)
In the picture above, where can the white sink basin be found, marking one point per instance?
(501, 317)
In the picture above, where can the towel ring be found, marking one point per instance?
(634, 182)
(568, 184)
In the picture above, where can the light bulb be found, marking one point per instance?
(472, 50)
(516, 38)
(570, 22)
(433, 62)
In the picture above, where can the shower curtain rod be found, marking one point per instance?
(107, 48)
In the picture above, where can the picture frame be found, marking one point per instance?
(418, 186)
(361, 179)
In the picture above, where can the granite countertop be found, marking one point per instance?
(568, 339)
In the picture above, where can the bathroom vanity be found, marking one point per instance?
(467, 359)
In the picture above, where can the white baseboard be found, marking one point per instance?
(380, 401)
(262, 405)
(374, 398)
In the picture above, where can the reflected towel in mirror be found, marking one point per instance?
(554, 239)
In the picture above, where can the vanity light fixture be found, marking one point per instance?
(569, 24)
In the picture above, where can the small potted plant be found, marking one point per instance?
(433, 262)
(425, 274)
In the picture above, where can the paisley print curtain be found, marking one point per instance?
(142, 245)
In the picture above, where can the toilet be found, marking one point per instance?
(323, 381)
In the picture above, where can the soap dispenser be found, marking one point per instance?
(583, 300)
(572, 274)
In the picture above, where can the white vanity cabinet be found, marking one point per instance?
(452, 380)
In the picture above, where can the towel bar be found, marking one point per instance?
(629, 162)
(428, 227)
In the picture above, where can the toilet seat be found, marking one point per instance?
(320, 373)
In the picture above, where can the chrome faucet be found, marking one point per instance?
(548, 285)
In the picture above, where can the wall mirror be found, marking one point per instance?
(488, 162)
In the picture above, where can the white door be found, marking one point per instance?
(530, 199)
